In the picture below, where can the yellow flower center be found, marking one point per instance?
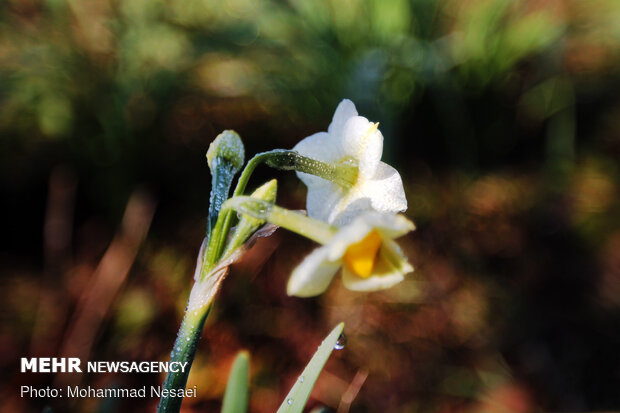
(360, 257)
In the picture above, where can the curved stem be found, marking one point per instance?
(317, 231)
(342, 174)
(193, 321)
(225, 218)
(301, 224)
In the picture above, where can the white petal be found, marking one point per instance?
(385, 190)
(389, 225)
(313, 275)
(390, 269)
(321, 147)
(397, 227)
(362, 141)
(347, 235)
(323, 199)
(352, 205)
(372, 283)
(391, 256)
(331, 203)
(344, 111)
(383, 193)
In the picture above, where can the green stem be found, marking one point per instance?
(311, 228)
(183, 351)
(219, 223)
(225, 218)
(342, 174)
(225, 157)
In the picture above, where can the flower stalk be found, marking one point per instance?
(184, 351)
(225, 158)
(317, 231)
(343, 174)
(352, 213)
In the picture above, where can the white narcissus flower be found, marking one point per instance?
(350, 140)
(366, 252)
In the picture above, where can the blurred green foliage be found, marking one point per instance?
(115, 78)
(117, 66)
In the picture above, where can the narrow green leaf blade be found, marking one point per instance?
(236, 395)
(296, 399)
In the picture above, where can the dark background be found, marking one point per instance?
(503, 118)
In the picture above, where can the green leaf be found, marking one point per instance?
(236, 395)
(296, 399)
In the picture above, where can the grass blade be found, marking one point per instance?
(236, 395)
(296, 399)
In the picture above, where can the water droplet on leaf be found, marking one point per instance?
(341, 342)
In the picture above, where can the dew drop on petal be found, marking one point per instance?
(289, 401)
(341, 342)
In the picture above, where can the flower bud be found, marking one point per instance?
(227, 146)
(263, 197)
